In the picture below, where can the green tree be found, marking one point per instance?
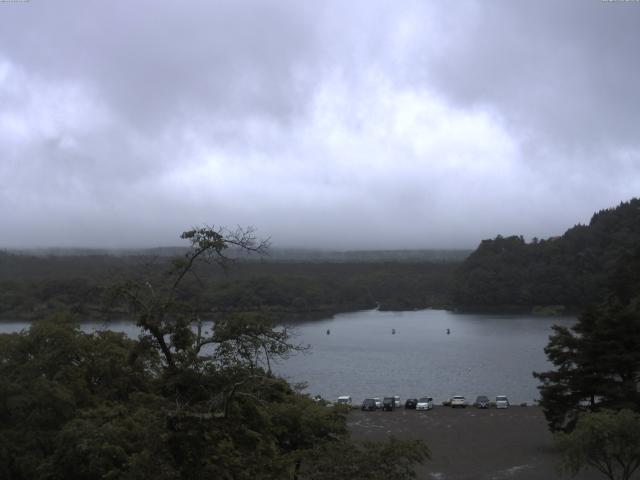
(51, 375)
(607, 441)
(597, 364)
(166, 310)
(597, 360)
(186, 400)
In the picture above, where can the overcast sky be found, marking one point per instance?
(332, 124)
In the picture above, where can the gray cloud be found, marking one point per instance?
(357, 125)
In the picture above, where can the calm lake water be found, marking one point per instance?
(484, 354)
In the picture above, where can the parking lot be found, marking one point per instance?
(469, 443)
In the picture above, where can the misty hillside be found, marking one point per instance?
(300, 283)
(274, 254)
(570, 271)
(566, 272)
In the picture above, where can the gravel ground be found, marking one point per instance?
(470, 443)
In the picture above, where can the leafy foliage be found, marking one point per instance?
(186, 400)
(607, 441)
(51, 375)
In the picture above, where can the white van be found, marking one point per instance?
(344, 400)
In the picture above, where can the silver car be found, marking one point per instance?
(502, 401)
(424, 403)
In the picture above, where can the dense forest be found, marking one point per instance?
(568, 272)
(35, 285)
(553, 275)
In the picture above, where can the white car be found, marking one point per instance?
(502, 401)
(344, 400)
(378, 402)
(458, 401)
(424, 403)
(396, 399)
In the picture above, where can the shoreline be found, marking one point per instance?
(298, 316)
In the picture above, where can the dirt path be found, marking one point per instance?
(471, 444)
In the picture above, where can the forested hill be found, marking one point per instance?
(570, 271)
(37, 286)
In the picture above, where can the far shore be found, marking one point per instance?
(293, 317)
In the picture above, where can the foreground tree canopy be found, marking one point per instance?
(607, 441)
(186, 400)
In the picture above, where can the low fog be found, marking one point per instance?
(337, 125)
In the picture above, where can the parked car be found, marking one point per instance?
(482, 401)
(396, 398)
(458, 401)
(378, 402)
(502, 401)
(369, 404)
(411, 403)
(388, 404)
(344, 400)
(425, 403)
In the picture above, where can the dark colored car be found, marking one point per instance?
(482, 401)
(369, 404)
(388, 404)
(411, 403)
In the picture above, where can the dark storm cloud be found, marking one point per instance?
(336, 124)
(161, 61)
(563, 69)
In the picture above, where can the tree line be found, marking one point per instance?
(566, 273)
(570, 271)
(31, 286)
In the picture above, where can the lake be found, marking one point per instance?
(484, 354)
